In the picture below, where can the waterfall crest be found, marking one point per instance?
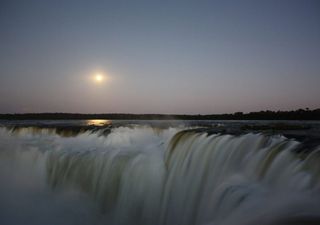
(195, 179)
(140, 175)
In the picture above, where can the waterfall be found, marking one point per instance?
(141, 175)
(212, 178)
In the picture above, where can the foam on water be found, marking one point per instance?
(143, 175)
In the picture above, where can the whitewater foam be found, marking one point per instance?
(166, 176)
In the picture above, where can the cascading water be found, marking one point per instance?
(170, 176)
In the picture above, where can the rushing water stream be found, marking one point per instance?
(141, 175)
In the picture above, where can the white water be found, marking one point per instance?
(142, 175)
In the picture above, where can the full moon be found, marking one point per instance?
(98, 78)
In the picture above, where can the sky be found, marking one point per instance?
(181, 57)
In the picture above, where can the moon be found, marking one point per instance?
(98, 78)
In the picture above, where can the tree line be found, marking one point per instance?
(300, 114)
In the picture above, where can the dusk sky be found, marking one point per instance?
(184, 57)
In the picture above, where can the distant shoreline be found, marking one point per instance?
(300, 114)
